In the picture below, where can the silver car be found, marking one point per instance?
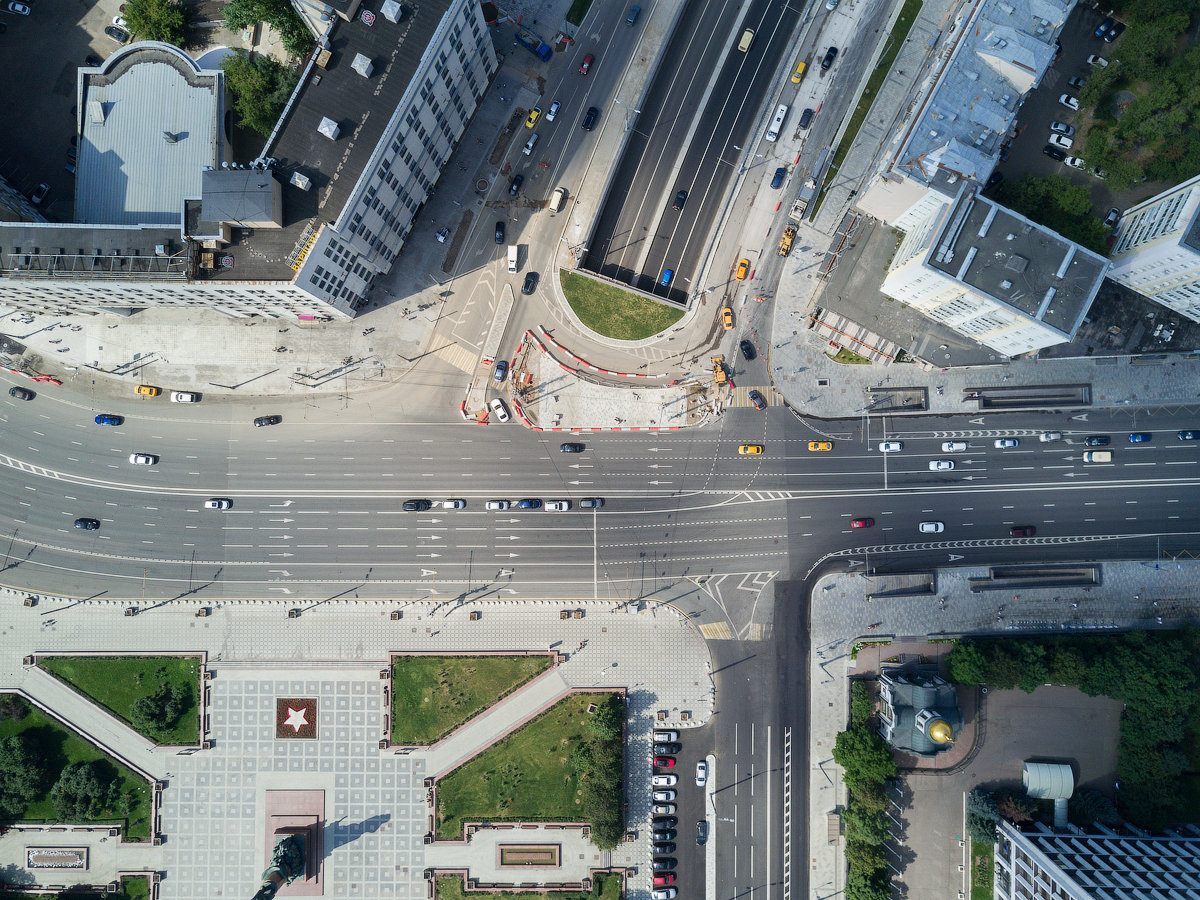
(142, 459)
(185, 397)
(954, 446)
(558, 505)
(941, 465)
(499, 504)
(1006, 443)
(454, 504)
(663, 796)
(891, 446)
(933, 527)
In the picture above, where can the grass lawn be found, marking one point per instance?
(904, 23)
(849, 357)
(982, 861)
(133, 887)
(604, 887)
(433, 695)
(613, 312)
(526, 777)
(579, 9)
(114, 682)
(61, 747)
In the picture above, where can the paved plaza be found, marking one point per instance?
(216, 801)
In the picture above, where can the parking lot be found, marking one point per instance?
(1042, 107)
(688, 805)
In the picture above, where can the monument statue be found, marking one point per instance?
(287, 864)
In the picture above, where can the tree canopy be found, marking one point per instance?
(23, 774)
(1059, 205)
(279, 14)
(83, 791)
(260, 86)
(158, 20)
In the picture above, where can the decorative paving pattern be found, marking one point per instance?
(213, 813)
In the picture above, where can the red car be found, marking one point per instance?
(862, 523)
(1022, 531)
(587, 64)
(665, 762)
(663, 880)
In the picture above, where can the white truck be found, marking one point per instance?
(513, 257)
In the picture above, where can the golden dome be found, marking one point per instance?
(939, 732)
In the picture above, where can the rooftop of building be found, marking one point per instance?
(91, 251)
(150, 120)
(1025, 266)
(362, 108)
(1002, 52)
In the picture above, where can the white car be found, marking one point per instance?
(1074, 162)
(933, 527)
(1005, 443)
(701, 773)
(499, 504)
(663, 796)
(1061, 141)
(19, 8)
(499, 410)
(218, 503)
(668, 736)
(1047, 436)
(454, 504)
(941, 465)
(552, 112)
(663, 809)
(142, 459)
(1068, 101)
(669, 893)
(665, 780)
(891, 446)
(185, 397)
(119, 21)
(954, 446)
(558, 505)
(1095, 60)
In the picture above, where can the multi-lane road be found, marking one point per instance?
(317, 504)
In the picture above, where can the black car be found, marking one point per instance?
(664, 834)
(91, 61)
(571, 448)
(680, 199)
(748, 351)
(830, 56)
(500, 232)
(86, 524)
(1115, 32)
(667, 748)
(1189, 435)
(777, 179)
(662, 847)
(531, 280)
(662, 864)
(21, 393)
(806, 117)
(518, 180)
(267, 420)
(590, 117)
(702, 832)
(1054, 153)
(758, 400)
(591, 503)
(1098, 440)
(417, 505)
(664, 821)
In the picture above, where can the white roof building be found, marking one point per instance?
(1157, 249)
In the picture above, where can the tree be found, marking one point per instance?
(861, 706)
(260, 86)
(869, 796)
(12, 707)
(83, 792)
(23, 774)
(242, 14)
(863, 756)
(159, 20)
(875, 887)
(982, 816)
(865, 859)
(865, 825)
(159, 711)
(966, 664)
(1087, 806)
(1017, 808)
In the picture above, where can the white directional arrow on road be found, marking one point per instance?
(855, 562)
(579, 466)
(954, 556)
(282, 554)
(978, 421)
(284, 504)
(285, 521)
(430, 555)
(658, 482)
(660, 466)
(432, 537)
(425, 573)
(509, 555)
(285, 590)
(580, 482)
(1080, 418)
(511, 537)
(283, 537)
(508, 590)
(504, 572)
(284, 572)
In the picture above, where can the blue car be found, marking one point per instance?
(501, 371)
(529, 504)
(667, 275)
(109, 419)
(1189, 435)
(1139, 437)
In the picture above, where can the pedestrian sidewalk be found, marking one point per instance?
(1130, 595)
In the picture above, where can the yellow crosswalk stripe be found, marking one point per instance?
(717, 631)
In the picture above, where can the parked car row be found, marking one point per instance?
(664, 822)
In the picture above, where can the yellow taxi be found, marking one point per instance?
(743, 269)
(534, 115)
(817, 446)
(727, 318)
(750, 449)
(799, 73)
(147, 390)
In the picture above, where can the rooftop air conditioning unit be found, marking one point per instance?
(160, 249)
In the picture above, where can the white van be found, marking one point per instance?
(530, 144)
(557, 198)
(781, 112)
(1097, 456)
(514, 253)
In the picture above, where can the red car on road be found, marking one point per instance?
(862, 523)
(587, 64)
(665, 762)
